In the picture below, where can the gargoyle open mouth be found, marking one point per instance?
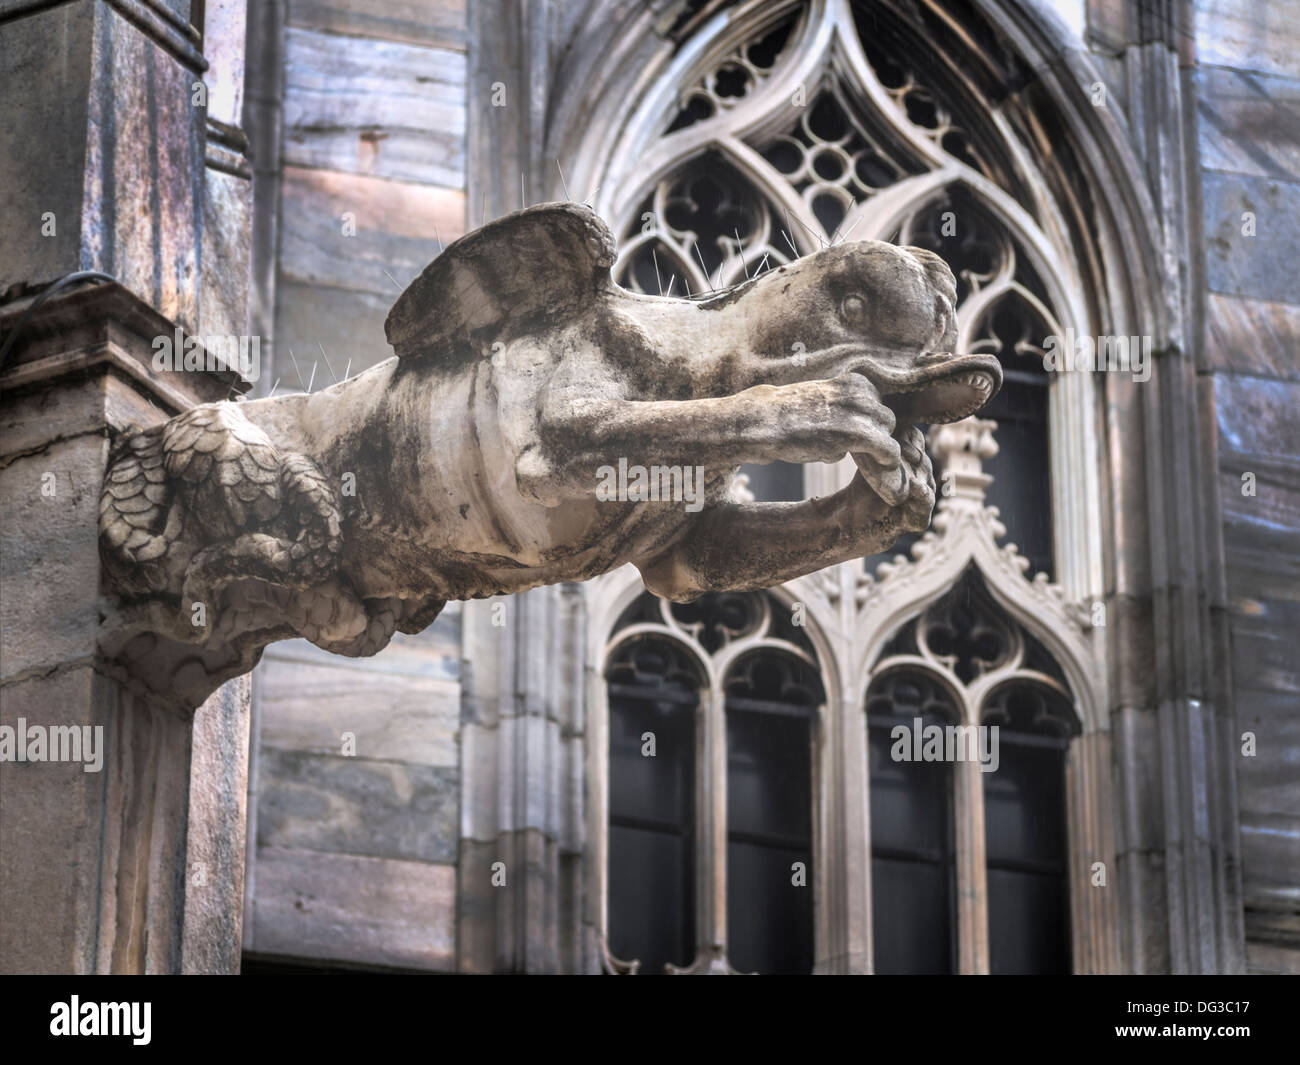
(945, 391)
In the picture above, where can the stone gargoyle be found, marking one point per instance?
(468, 466)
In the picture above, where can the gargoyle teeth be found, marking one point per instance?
(976, 379)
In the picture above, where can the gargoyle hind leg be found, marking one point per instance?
(744, 546)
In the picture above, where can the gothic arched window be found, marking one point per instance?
(968, 720)
(803, 124)
(713, 717)
(769, 130)
(653, 703)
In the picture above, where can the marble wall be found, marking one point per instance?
(355, 772)
(1248, 138)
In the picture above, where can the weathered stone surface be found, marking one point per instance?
(374, 911)
(1258, 266)
(1260, 37)
(94, 865)
(214, 832)
(308, 706)
(396, 224)
(346, 323)
(1253, 336)
(48, 892)
(1259, 437)
(226, 249)
(291, 515)
(435, 22)
(344, 805)
(60, 558)
(375, 107)
(1248, 123)
(44, 132)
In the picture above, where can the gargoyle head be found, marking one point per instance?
(867, 307)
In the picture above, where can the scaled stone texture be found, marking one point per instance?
(538, 424)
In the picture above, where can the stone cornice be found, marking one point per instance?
(106, 324)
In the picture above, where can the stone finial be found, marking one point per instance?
(960, 450)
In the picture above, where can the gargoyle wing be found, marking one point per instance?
(512, 276)
(231, 466)
(221, 462)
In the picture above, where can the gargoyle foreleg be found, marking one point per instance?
(806, 421)
(743, 546)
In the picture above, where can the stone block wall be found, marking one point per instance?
(353, 855)
(1248, 139)
(373, 171)
(355, 803)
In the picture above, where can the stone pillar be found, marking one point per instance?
(520, 876)
(131, 859)
(120, 153)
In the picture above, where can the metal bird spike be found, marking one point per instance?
(851, 229)
(818, 236)
(327, 362)
(311, 380)
(295, 368)
(658, 280)
(740, 246)
(700, 255)
(562, 181)
(791, 243)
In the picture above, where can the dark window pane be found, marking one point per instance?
(650, 916)
(1028, 932)
(909, 907)
(769, 920)
(770, 701)
(768, 776)
(1026, 831)
(912, 868)
(1024, 805)
(1021, 470)
(652, 805)
(909, 800)
(655, 789)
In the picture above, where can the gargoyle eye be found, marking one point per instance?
(854, 310)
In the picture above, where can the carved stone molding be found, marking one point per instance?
(966, 535)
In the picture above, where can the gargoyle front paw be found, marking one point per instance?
(908, 484)
(919, 504)
(825, 420)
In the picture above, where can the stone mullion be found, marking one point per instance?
(715, 834)
(843, 869)
(971, 868)
(1094, 932)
